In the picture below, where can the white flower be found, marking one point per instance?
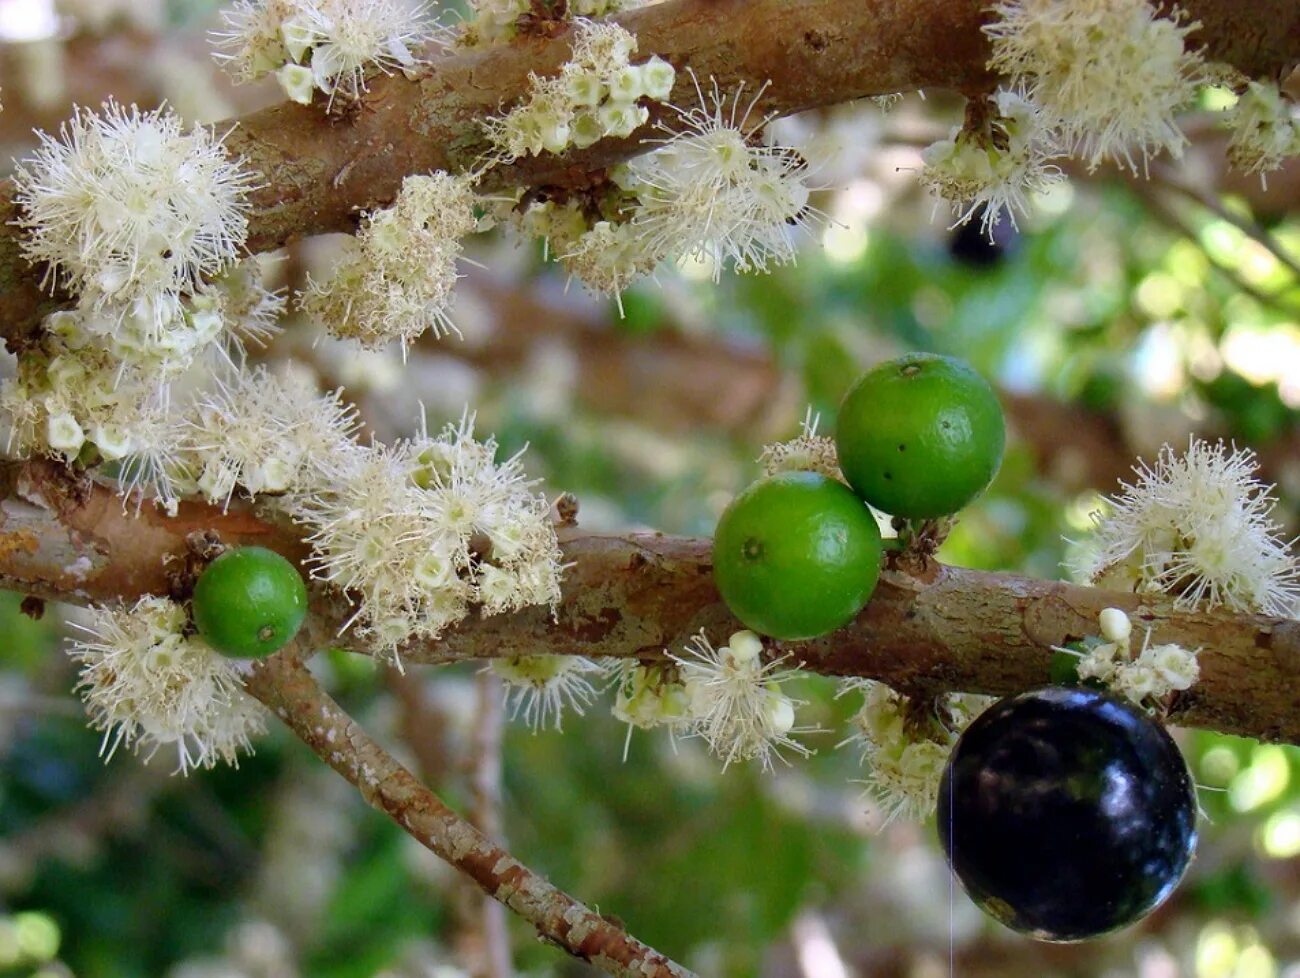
(649, 695)
(610, 257)
(595, 95)
(148, 684)
(127, 206)
(399, 277)
(540, 687)
(251, 311)
(252, 43)
(1196, 527)
(331, 45)
(1146, 679)
(350, 38)
(1265, 128)
(1175, 667)
(715, 189)
(993, 170)
(68, 392)
(1110, 74)
(906, 766)
(735, 700)
(266, 434)
(807, 452)
(420, 531)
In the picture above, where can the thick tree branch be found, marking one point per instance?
(319, 171)
(633, 596)
(289, 690)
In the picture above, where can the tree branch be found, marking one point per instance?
(636, 595)
(288, 689)
(319, 171)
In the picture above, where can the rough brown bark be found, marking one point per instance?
(636, 595)
(289, 690)
(319, 171)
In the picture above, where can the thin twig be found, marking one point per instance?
(284, 685)
(485, 772)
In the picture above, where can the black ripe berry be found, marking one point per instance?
(1067, 813)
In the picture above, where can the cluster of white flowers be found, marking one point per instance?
(1146, 678)
(1265, 128)
(494, 21)
(992, 169)
(147, 684)
(396, 281)
(264, 434)
(540, 687)
(1109, 74)
(420, 531)
(67, 394)
(735, 700)
(1197, 527)
(906, 763)
(326, 45)
(712, 190)
(598, 93)
(806, 452)
(716, 190)
(130, 211)
(144, 222)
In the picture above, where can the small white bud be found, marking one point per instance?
(298, 38)
(626, 85)
(657, 78)
(745, 646)
(778, 713)
(64, 434)
(298, 83)
(587, 130)
(584, 88)
(113, 443)
(1115, 625)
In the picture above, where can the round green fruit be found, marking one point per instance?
(249, 602)
(920, 436)
(796, 555)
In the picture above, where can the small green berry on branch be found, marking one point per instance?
(249, 602)
(920, 436)
(796, 555)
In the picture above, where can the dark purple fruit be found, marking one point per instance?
(1067, 813)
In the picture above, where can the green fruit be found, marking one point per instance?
(249, 602)
(796, 555)
(920, 436)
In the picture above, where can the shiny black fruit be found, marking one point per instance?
(1067, 813)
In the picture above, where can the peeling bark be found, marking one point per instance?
(319, 171)
(945, 628)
